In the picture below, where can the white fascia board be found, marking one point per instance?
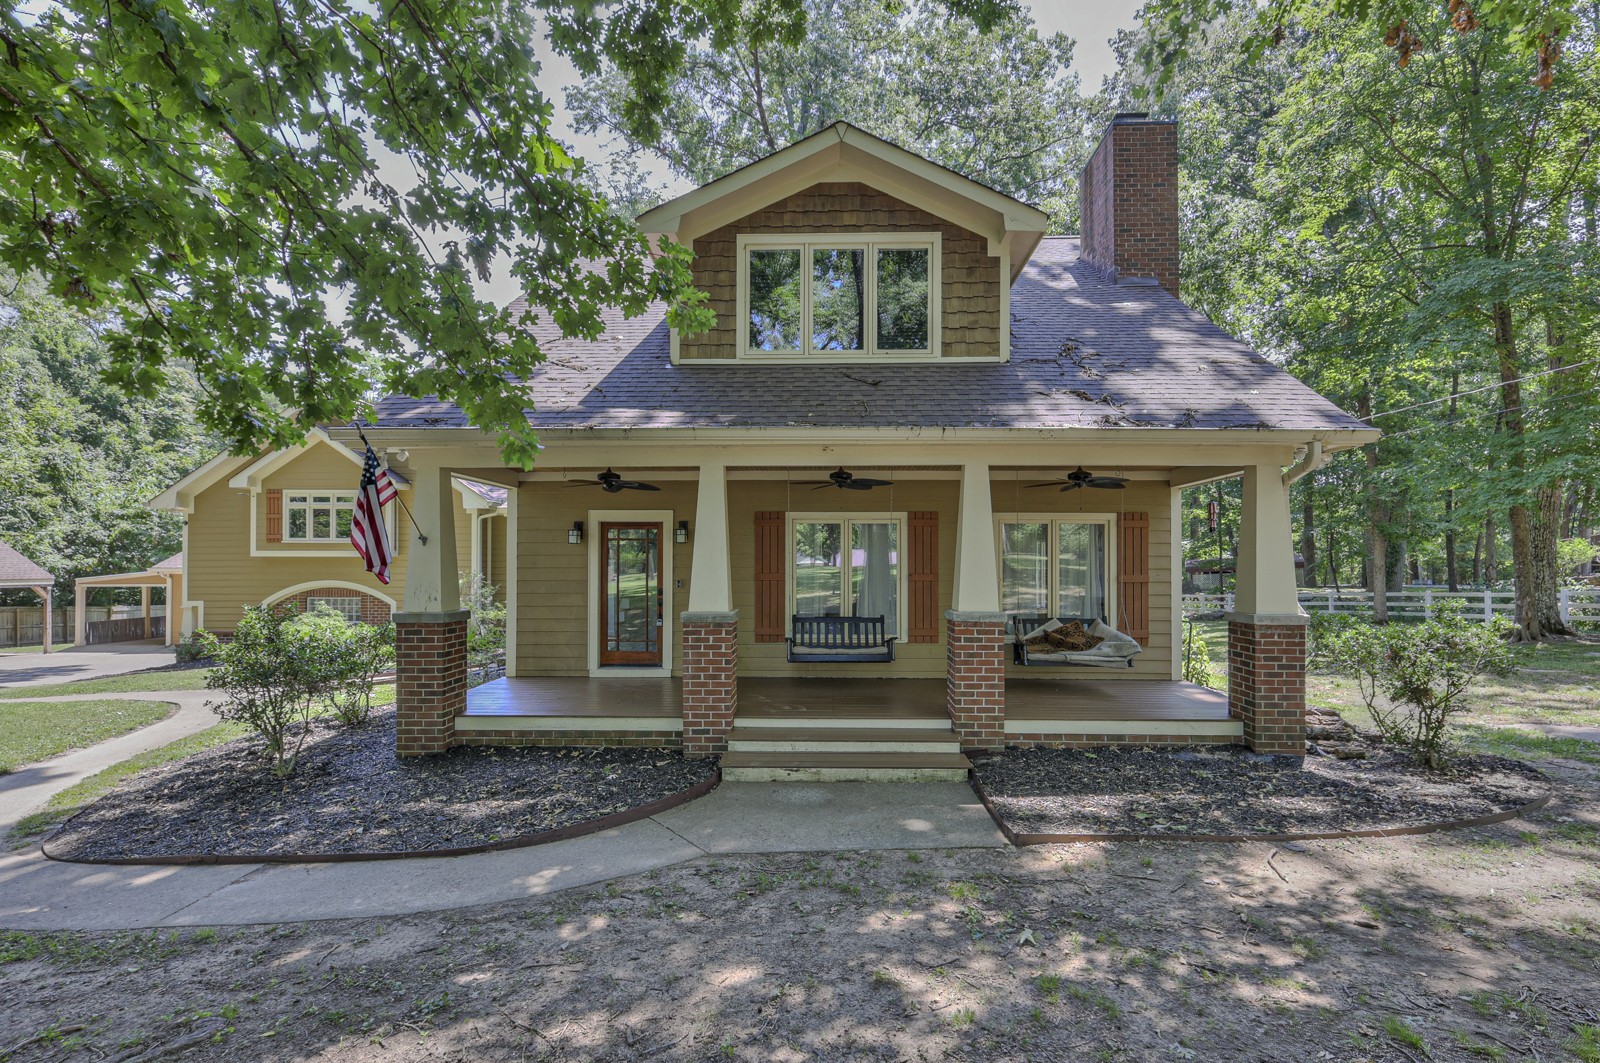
(180, 496)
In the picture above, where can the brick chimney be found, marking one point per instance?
(1128, 201)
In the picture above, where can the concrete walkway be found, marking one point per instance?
(40, 894)
(27, 789)
(87, 662)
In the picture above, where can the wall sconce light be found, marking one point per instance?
(575, 533)
(682, 534)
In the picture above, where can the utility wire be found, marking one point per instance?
(1480, 415)
(1486, 387)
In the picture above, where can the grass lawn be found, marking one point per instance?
(31, 731)
(133, 682)
(82, 793)
(36, 648)
(1558, 683)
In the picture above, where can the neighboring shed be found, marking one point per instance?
(18, 573)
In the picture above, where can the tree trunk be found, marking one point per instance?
(1377, 542)
(1399, 566)
(1477, 558)
(1308, 539)
(1451, 577)
(1491, 543)
(1525, 553)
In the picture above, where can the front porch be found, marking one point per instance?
(552, 710)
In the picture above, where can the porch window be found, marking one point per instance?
(317, 516)
(1056, 566)
(844, 566)
(348, 607)
(845, 294)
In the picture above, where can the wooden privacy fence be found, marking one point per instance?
(123, 629)
(1578, 604)
(24, 625)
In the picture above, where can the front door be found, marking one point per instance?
(630, 591)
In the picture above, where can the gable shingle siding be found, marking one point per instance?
(969, 277)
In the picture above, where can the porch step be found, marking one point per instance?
(743, 739)
(844, 767)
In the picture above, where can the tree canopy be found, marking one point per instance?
(999, 105)
(210, 174)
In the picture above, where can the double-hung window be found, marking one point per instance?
(1057, 566)
(870, 294)
(847, 566)
(317, 516)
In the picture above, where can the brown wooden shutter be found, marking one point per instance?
(274, 515)
(922, 578)
(769, 577)
(1133, 576)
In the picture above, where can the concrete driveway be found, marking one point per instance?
(87, 662)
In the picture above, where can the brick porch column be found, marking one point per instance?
(1267, 630)
(975, 678)
(1267, 681)
(430, 651)
(710, 680)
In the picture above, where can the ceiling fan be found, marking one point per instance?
(1081, 477)
(612, 482)
(846, 481)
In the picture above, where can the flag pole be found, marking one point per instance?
(423, 539)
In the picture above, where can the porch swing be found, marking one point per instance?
(843, 639)
(1073, 641)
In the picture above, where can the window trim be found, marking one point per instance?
(899, 519)
(870, 242)
(1106, 520)
(309, 540)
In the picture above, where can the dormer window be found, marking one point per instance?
(839, 296)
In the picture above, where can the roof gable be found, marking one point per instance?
(842, 153)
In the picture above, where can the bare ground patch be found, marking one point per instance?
(1479, 944)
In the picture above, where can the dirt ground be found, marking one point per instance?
(1479, 944)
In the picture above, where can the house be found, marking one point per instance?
(19, 573)
(274, 528)
(853, 455)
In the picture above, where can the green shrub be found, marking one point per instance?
(1413, 676)
(201, 645)
(342, 659)
(270, 683)
(1197, 666)
(486, 631)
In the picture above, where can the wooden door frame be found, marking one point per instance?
(630, 658)
(592, 621)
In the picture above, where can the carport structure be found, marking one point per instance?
(167, 574)
(18, 573)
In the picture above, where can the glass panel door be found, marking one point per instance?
(630, 588)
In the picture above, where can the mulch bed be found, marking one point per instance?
(1222, 790)
(351, 794)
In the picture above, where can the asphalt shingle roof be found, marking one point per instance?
(1085, 353)
(18, 571)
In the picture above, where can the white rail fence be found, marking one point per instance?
(1578, 604)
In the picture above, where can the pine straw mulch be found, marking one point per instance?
(351, 794)
(1223, 790)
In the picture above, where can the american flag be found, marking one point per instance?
(368, 532)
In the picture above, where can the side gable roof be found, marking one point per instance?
(18, 571)
(842, 152)
(1085, 353)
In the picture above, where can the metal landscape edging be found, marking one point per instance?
(1024, 838)
(521, 841)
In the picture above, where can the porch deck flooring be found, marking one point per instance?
(800, 699)
(1122, 700)
(576, 695)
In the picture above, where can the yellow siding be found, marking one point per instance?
(553, 596)
(224, 575)
(553, 592)
(495, 537)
